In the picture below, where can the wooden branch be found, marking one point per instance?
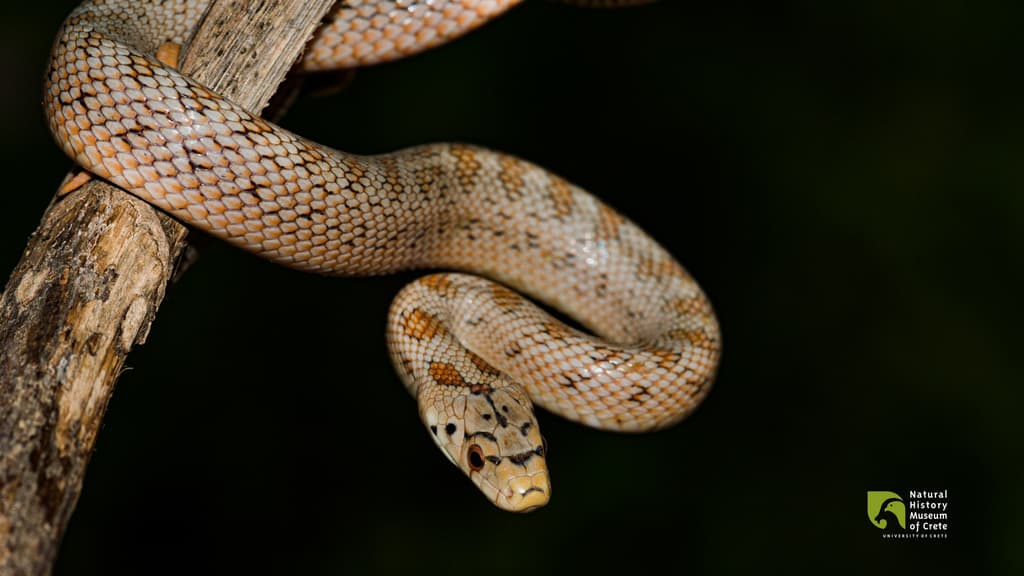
(89, 284)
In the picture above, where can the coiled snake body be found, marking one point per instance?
(473, 352)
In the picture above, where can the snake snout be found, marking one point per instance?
(526, 493)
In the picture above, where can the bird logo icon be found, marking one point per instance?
(887, 511)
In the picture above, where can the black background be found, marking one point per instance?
(844, 179)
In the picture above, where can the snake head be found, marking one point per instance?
(492, 435)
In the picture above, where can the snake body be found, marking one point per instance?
(474, 353)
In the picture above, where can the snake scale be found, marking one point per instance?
(474, 353)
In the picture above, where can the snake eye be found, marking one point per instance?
(476, 457)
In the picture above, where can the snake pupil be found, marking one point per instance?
(476, 457)
(450, 428)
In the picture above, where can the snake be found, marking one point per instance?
(537, 292)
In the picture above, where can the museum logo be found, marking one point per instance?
(918, 514)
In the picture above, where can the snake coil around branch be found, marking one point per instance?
(474, 353)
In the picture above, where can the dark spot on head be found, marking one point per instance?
(450, 428)
(525, 428)
(482, 434)
(487, 416)
(504, 408)
(502, 419)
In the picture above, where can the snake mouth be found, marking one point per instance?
(533, 499)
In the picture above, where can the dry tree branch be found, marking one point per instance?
(89, 284)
